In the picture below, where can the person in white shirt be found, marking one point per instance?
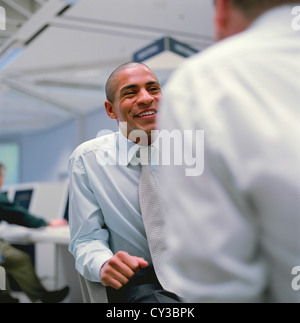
(233, 232)
(108, 238)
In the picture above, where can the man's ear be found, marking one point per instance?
(221, 19)
(110, 110)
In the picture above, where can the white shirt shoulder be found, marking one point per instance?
(93, 145)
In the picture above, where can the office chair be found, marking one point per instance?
(2, 278)
(92, 292)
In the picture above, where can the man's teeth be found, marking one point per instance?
(147, 113)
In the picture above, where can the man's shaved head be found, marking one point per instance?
(110, 87)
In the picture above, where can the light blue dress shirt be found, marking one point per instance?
(105, 214)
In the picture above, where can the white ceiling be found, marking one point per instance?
(70, 48)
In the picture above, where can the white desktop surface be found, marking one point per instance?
(2, 279)
(18, 234)
(58, 235)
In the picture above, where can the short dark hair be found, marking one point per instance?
(110, 87)
(253, 8)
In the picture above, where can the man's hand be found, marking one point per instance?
(58, 223)
(117, 271)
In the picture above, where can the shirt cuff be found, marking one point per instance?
(97, 265)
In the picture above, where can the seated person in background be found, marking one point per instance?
(17, 263)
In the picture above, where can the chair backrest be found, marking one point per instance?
(92, 292)
(2, 278)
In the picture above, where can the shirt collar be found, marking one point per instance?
(128, 149)
(274, 18)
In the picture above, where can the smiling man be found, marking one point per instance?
(108, 237)
(133, 93)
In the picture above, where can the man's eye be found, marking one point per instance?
(130, 93)
(154, 89)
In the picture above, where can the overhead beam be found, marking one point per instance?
(36, 22)
(14, 22)
(25, 124)
(6, 34)
(70, 85)
(128, 30)
(40, 2)
(36, 95)
(18, 8)
(60, 69)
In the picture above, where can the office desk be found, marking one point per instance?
(53, 263)
(2, 279)
(59, 235)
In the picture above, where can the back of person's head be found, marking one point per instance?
(253, 8)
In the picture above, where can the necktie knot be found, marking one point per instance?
(145, 155)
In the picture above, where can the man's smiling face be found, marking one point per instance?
(136, 100)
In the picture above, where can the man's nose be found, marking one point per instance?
(145, 97)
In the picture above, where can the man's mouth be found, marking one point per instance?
(146, 113)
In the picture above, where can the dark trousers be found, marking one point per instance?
(143, 287)
(18, 265)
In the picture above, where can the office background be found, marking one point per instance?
(55, 57)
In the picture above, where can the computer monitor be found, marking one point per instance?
(8, 191)
(23, 198)
(66, 214)
(45, 200)
(4, 193)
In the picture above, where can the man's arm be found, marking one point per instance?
(89, 236)
(14, 214)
